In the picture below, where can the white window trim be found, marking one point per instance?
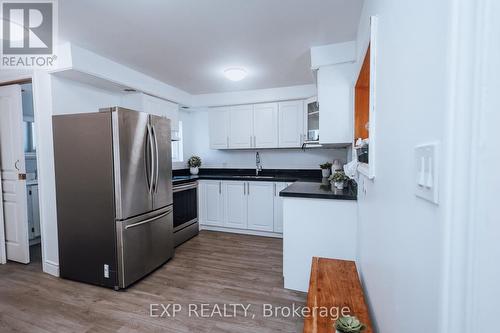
(178, 156)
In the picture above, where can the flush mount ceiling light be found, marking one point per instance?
(235, 73)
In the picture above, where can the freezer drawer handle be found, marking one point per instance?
(148, 220)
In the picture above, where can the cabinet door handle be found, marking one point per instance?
(227, 141)
(274, 186)
(248, 188)
(220, 187)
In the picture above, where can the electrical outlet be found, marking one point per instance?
(426, 172)
(106, 271)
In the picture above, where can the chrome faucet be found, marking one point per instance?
(258, 166)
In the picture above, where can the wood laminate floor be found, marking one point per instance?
(213, 268)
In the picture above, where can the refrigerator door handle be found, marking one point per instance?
(157, 166)
(150, 142)
(148, 220)
(148, 182)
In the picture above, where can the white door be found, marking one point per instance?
(211, 200)
(278, 206)
(235, 205)
(260, 206)
(241, 126)
(291, 124)
(3, 257)
(218, 128)
(265, 124)
(13, 174)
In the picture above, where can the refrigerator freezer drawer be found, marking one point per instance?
(144, 244)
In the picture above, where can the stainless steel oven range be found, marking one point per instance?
(185, 211)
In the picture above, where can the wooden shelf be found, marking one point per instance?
(335, 284)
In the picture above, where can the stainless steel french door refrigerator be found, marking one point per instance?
(114, 195)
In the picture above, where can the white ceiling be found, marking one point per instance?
(188, 43)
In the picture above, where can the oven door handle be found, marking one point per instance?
(184, 187)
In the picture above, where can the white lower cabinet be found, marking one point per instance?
(241, 206)
(33, 212)
(235, 205)
(278, 206)
(260, 206)
(211, 202)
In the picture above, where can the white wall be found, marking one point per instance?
(400, 236)
(74, 97)
(52, 96)
(80, 60)
(254, 96)
(195, 127)
(482, 302)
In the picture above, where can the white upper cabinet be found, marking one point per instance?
(265, 124)
(218, 128)
(241, 126)
(260, 206)
(291, 124)
(153, 105)
(335, 98)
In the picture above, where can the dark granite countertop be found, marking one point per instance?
(269, 175)
(306, 183)
(319, 190)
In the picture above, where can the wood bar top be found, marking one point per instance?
(334, 284)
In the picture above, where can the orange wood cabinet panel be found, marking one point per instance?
(362, 99)
(335, 284)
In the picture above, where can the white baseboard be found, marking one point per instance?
(51, 268)
(242, 231)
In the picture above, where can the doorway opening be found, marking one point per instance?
(19, 176)
(30, 158)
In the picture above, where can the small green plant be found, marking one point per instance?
(338, 177)
(194, 162)
(349, 324)
(326, 165)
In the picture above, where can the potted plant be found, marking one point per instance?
(348, 324)
(194, 164)
(325, 169)
(338, 179)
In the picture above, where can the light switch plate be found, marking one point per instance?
(426, 172)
